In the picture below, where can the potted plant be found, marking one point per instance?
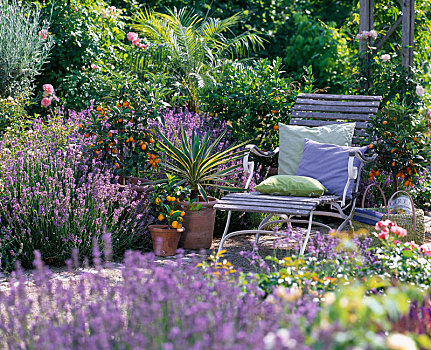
(197, 162)
(164, 201)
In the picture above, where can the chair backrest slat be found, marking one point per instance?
(324, 109)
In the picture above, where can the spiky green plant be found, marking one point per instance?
(189, 47)
(197, 162)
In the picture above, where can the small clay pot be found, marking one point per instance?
(165, 239)
(199, 225)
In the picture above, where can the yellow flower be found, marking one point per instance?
(161, 217)
(175, 224)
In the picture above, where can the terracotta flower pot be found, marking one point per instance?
(199, 225)
(165, 239)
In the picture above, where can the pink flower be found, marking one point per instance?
(75, 9)
(384, 234)
(43, 34)
(426, 248)
(413, 245)
(132, 36)
(142, 46)
(420, 91)
(94, 66)
(397, 241)
(386, 223)
(136, 41)
(48, 88)
(385, 57)
(399, 231)
(429, 113)
(113, 10)
(372, 33)
(46, 102)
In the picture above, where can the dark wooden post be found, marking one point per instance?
(366, 23)
(407, 38)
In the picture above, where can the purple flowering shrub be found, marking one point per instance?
(174, 306)
(54, 198)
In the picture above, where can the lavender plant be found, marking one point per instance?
(154, 307)
(54, 198)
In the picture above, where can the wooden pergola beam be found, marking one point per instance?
(407, 38)
(389, 33)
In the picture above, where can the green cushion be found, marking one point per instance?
(292, 142)
(291, 185)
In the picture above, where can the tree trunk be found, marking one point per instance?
(194, 194)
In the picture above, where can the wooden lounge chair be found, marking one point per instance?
(309, 110)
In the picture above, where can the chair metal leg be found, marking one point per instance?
(304, 244)
(224, 237)
(262, 224)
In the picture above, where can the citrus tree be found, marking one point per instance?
(398, 134)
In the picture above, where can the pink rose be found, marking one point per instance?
(113, 10)
(132, 36)
(384, 234)
(425, 248)
(385, 57)
(399, 231)
(136, 41)
(43, 34)
(372, 33)
(94, 66)
(46, 102)
(48, 88)
(420, 91)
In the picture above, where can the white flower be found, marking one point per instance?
(385, 57)
(420, 91)
(372, 33)
(398, 341)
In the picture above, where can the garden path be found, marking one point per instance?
(233, 249)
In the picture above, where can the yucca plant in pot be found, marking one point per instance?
(197, 162)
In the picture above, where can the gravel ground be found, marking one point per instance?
(233, 248)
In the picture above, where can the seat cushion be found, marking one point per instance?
(328, 164)
(292, 142)
(291, 185)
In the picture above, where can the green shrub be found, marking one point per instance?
(12, 112)
(85, 33)
(252, 99)
(23, 47)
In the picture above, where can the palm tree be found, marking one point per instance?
(190, 47)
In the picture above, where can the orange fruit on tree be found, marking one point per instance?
(109, 134)
(385, 122)
(151, 140)
(175, 224)
(143, 147)
(370, 146)
(157, 160)
(161, 217)
(393, 163)
(99, 108)
(117, 165)
(126, 104)
(87, 135)
(275, 127)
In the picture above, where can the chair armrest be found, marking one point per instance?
(255, 150)
(249, 166)
(366, 159)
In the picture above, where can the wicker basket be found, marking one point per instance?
(414, 223)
